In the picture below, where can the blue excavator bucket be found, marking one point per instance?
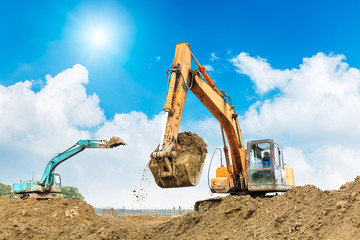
(115, 141)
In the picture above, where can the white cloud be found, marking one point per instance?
(315, 115)
(49, 117)
(213, 57)
(158, 58)
(261, 73)
(209, 68)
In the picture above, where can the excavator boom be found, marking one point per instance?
(182, 78)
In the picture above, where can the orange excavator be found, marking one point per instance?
(258, 170)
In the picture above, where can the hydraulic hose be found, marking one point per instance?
(212, 157)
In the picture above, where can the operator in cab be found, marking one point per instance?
(266, 160)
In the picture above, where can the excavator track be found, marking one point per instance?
(42, 196)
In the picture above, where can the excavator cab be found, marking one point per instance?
(266, 170)
(56, 185)
(265, 167)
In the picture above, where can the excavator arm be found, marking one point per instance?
(182, 78)
(48, 176)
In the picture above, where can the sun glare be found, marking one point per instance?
(99, 37)
(103, 28)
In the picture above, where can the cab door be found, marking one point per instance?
(278, 165)
(56, 185)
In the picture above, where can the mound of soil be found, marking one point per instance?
(301, 213)
(60, 219)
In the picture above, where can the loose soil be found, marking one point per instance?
(301, 213)
(191, 142)
(66, 219)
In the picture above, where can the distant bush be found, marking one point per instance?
(71, 192)
(5, 190)
(68, 192)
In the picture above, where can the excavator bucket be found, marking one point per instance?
(115, 141)
(182, 165)
(182, 171)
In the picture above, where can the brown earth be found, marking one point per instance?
(66, 219)
(188, 164)
(301, 213)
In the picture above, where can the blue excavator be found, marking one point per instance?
(49, 187)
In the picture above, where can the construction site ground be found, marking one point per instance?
(302, 213)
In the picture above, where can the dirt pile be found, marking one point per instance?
(59, 219)
(190, 152)
(301, 213)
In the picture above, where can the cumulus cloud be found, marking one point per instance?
(315, 115)
(50, 116)
(261, 73)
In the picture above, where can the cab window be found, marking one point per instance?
(260, 156)
(277, 156)
(57, 181)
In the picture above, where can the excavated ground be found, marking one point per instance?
(66, 219)
(301, 213)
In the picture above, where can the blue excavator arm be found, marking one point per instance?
(48, 177)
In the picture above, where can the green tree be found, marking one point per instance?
(71, 192)
(5, 190)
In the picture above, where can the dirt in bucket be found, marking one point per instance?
(187, 165)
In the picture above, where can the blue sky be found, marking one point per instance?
(291, 68)
(37, 40)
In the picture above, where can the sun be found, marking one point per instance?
(99, 37)
(98, 30)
